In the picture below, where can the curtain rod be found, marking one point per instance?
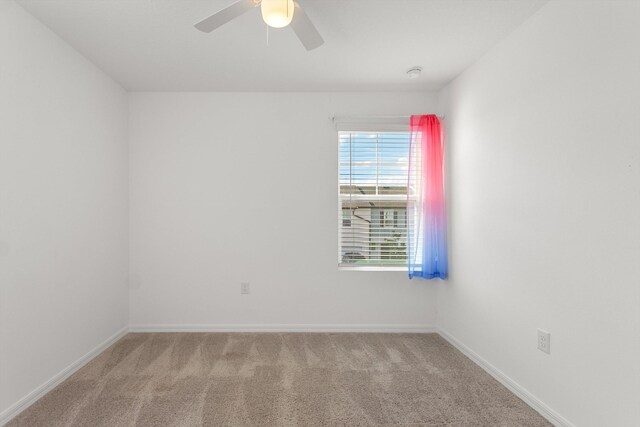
(334, 117)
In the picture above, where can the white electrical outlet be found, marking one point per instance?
(244, 288)
(544, 341)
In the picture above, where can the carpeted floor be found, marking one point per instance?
(278, 379)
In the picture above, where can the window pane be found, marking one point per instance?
(373, 170)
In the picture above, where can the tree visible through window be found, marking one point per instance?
(372, 211)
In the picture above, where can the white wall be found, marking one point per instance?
(63, 205)
(233, 187)
(544, 204)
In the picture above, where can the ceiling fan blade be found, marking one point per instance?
(225, 15)
(304, 29)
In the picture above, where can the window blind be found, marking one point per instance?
(372, 208)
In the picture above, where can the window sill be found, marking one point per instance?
(351, 267)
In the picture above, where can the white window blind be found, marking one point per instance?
(372, 208)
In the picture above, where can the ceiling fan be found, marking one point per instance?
(276, 13)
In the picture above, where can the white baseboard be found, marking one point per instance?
(224, 327)
(552, 416)
(40, 391)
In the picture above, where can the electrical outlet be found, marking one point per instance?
(544, 341)
(244, 288)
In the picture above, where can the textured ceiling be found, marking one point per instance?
(151, 45)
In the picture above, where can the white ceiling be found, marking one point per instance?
(151, 45)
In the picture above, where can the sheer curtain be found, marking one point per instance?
(426, 210)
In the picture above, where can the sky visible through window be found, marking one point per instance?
(374, 159)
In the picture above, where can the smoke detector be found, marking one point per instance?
(414, 72)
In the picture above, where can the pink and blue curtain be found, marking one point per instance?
(426, 210)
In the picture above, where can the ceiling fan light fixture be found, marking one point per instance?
(277, 13)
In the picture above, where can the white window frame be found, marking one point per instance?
(373, 125)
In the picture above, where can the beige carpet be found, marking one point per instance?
(313, 379)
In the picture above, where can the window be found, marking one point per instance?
(346, 218)
(372, 211)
